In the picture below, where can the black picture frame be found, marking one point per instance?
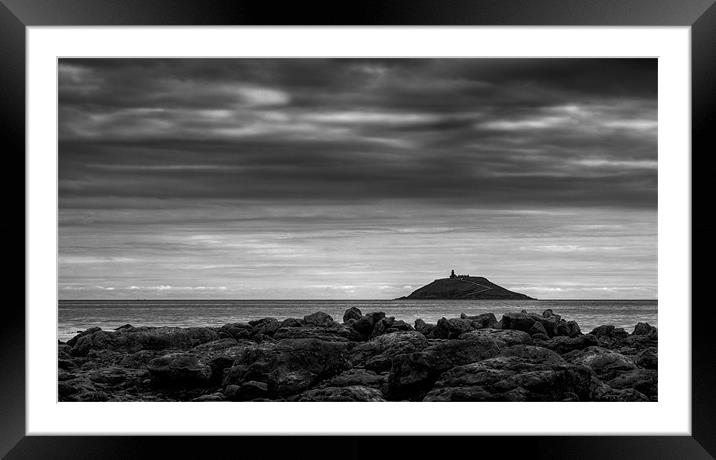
(16, 15)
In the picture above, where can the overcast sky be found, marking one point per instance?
(356, 178)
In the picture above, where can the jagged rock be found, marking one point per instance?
(606, 364)
(319, 319)
(353, 313)
(347, 393)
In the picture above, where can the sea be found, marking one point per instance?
(78, 315)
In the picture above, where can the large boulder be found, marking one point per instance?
(365, 324)
(501, 337)
(482, 320)
(142, 338)
(412, 375)
(451, 328)
(378, 353)
(606, 364)
(333, 333)
(319, 319)
(564, 344)
(265, 326)
(353, 313)
(289, 366)
(647, 358)
(509, 378)
(178, 370)
(643, 380)
(236, 331)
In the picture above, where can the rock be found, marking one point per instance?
(502, 337)
(643, 380)
(126, 327)
(348, 393)
(377, 354)
(647, 358)
(572, 329)
(290, 366)
(563, 344)
(644, 329)
(605, 393)
(482, 320)
(337, 333)
(265, 326)
(532, 354)
(537, 328)
(411, 376)
(246, 391)
(550, 314)
(212, 397)
(178, 370)
(353, 313)
(111, 376)
(89, 331)
(508, 378)
(424, 328)
(319, 319)
(606, 364)
(525, 321)
(363, 327)
(609, 331)
(237, 331)
(359, 377)
(292, 322)
(451, 328)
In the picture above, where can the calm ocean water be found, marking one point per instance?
(76, 315)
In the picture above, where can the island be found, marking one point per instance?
(464, 287)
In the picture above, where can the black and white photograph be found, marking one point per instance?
(357, 229)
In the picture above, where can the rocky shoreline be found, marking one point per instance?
(367, 357)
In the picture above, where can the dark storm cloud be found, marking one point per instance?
(561, 131)
(203, 149)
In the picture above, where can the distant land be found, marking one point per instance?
(464, 287)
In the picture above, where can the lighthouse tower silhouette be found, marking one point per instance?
(452, 274)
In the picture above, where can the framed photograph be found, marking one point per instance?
(403, 219)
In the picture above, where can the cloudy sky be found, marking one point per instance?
(356, 178)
